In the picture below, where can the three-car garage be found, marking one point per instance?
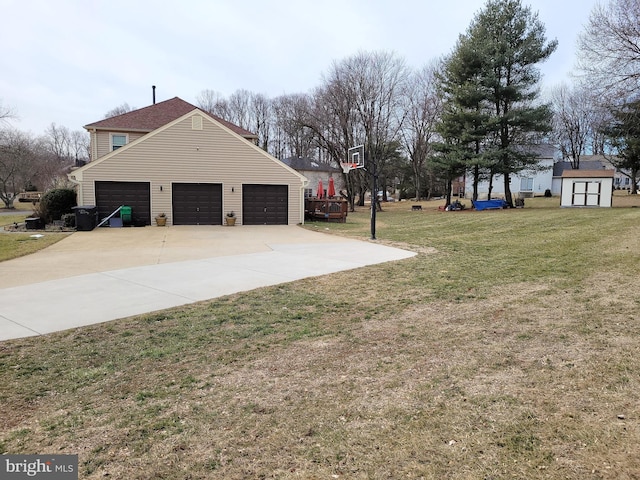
(196, 203)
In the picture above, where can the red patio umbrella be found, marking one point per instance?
(320, 189)
(331, 189)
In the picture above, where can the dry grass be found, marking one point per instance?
(506, 349)
(13, 245)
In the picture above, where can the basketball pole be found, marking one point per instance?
(370, 168)
(374, 198)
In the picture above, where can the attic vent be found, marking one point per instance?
(196, 122)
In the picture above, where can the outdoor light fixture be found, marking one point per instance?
(232, 190)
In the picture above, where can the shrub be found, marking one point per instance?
(56, 203)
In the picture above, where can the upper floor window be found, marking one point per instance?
(118, 140)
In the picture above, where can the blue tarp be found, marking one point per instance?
(489, 204)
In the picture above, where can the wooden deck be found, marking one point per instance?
(328, 209)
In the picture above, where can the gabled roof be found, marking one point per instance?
(155, 116)
(308, 164)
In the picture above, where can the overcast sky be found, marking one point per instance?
(71, 61)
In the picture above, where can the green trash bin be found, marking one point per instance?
(125, 215)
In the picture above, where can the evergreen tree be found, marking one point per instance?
(463, 123)
(623, 136)
(490, 88)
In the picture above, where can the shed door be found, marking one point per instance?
(197, 203)
(265, 204)
(137, 195)
(586, 193)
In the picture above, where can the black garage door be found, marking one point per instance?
(265, 204)
(137, 195)
(197, 203)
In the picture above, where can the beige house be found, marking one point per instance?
(174, 158)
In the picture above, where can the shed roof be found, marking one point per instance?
(157, 115)
(587, 174)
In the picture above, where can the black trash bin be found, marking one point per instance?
(86, 217)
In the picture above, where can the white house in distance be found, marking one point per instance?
(525, 184)
(587, 188)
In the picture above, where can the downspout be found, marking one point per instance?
(305, 182)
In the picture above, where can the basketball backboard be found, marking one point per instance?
(355, 159)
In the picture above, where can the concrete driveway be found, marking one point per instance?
(110, 273)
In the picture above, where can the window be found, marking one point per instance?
(118, 140)
(526, 184)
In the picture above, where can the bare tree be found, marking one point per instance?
(422, 106)
(331, 117)
(261, 111)
(574, 117)
(209, 101)
(18, 167)
(58, 139)
(119, 110)
(79, 145)
(609, 47)
(6, 114)
(250, 111)
(290, 136)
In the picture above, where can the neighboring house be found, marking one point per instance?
(587, 188)
(173, 158)
(524, 184)
(315, 171)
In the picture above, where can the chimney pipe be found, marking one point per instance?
(153, 87)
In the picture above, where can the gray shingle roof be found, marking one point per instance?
(309, 165)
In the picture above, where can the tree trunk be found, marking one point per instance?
(476, 180)
(449, 188)
(507, 191)
(490, 186)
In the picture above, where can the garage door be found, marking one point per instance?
(197, 203)
(265, 204)
(137, 195)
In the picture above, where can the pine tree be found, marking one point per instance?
(490, 88)
(623, 136)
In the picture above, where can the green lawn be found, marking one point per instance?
(507, 348)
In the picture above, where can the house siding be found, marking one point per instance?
(103, 141)
(179, 154)
(542, 180)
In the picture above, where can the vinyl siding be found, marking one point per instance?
(177, 153)
(103, 141)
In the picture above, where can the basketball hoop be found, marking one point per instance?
(355, 159)
(347, 167)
